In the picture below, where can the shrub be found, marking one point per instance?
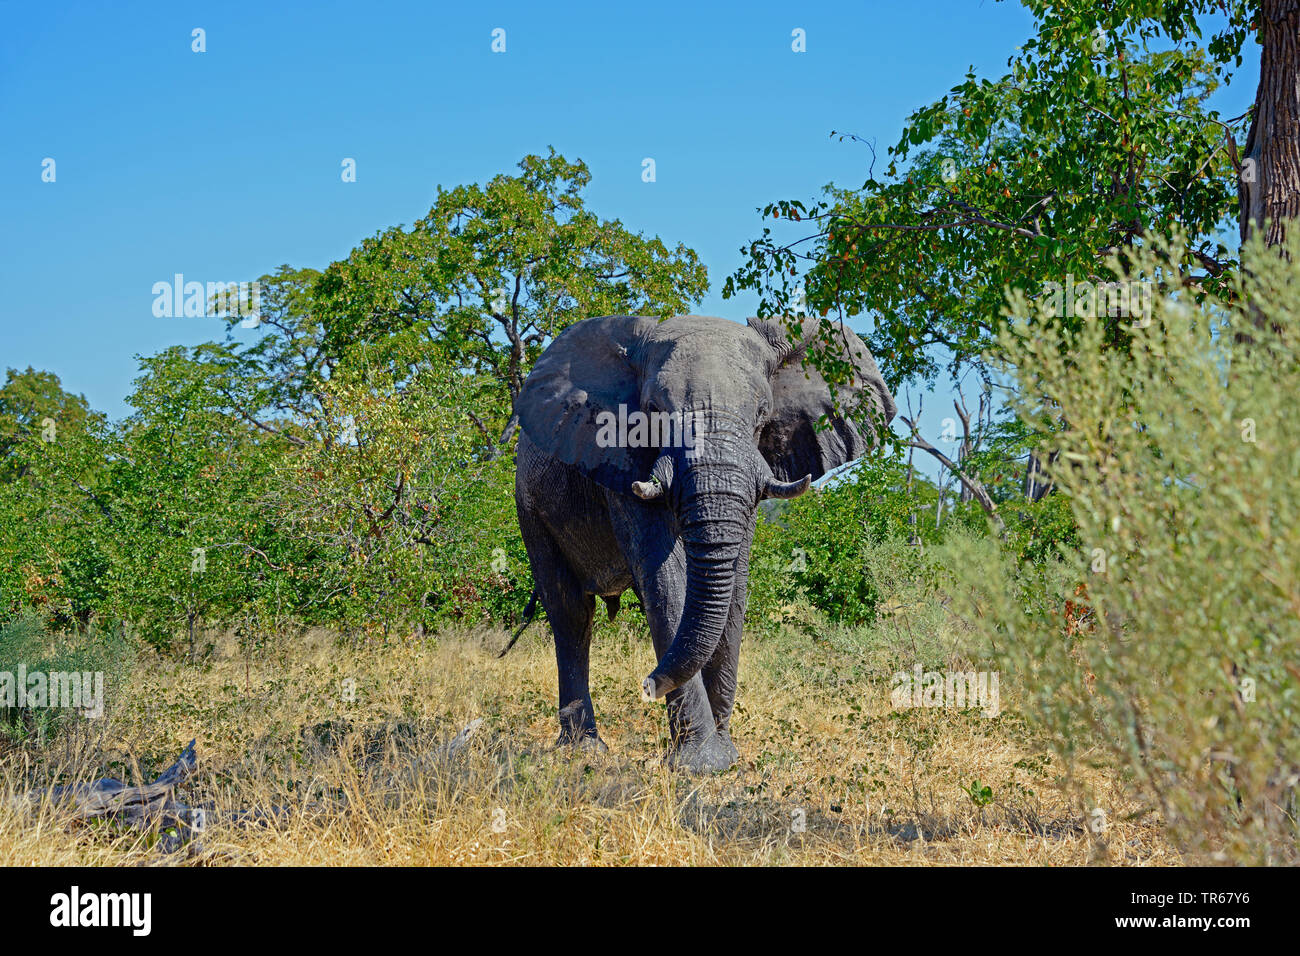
(1179, 458)
(842, 549)
(1038, 531)
(482, 572)
(26, 645)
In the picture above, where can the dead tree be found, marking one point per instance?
(977, 490)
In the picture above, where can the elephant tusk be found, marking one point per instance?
(649, 689)
(786, 489)
(648, 490)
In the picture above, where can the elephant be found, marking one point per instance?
(645, 447)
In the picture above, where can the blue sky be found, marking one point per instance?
(224, 164)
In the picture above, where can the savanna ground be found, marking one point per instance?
(829, 772)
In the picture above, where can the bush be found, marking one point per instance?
(1037, 531)
(1169, 632)
(841, 550)
(27, 646)
(482, 572)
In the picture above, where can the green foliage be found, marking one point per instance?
(979, 795)
(483, 572)
(843, 549)
(1180, 460)
(406, 521)
(1038, 531)
(351, 467)
(277, 379)
(33, 405)
(27, 644)
(52, 551)
(492, 273)
(999, 462)
(186, 539)
(1098, 134)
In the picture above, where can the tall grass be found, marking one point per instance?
(829, 772)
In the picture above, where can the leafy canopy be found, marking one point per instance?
(1099, 134)
(493, 272)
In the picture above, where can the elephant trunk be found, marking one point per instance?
(714, 512)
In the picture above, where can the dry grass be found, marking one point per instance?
(817, 740)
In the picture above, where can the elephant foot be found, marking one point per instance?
(725, 737)
(711, 754)
(578, 729)
(588, 742)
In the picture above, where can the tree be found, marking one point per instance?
(376, 492)
(1097, 138)
(184, 487)
(33, 405)
(1178, 473)
(53, 555)
(1270, 174)
(277, 381)
(493, 272)
(1090, 142)
(380, 395)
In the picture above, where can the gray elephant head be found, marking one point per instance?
(704, 417)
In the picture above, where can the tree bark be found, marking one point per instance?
(1037, 486)
(1269, 185)
(964, 452)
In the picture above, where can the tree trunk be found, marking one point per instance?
(1037, 485)
(938, 503)
(1269, 186)
(964, 452)
(912, 537)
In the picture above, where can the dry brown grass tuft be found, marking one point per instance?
(361, 782)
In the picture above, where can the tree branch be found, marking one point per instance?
(976, 489)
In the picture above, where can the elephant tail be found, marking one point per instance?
(529, 611)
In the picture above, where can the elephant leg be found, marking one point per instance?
(721, 672)
(692, 729)
(570, 611)
(719, 676)
(572, 627)
(658, 566)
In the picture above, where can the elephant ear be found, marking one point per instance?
(790, 441)
(587, 370)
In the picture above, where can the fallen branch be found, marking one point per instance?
(150, 807)
(454, 745)
(153, 807)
